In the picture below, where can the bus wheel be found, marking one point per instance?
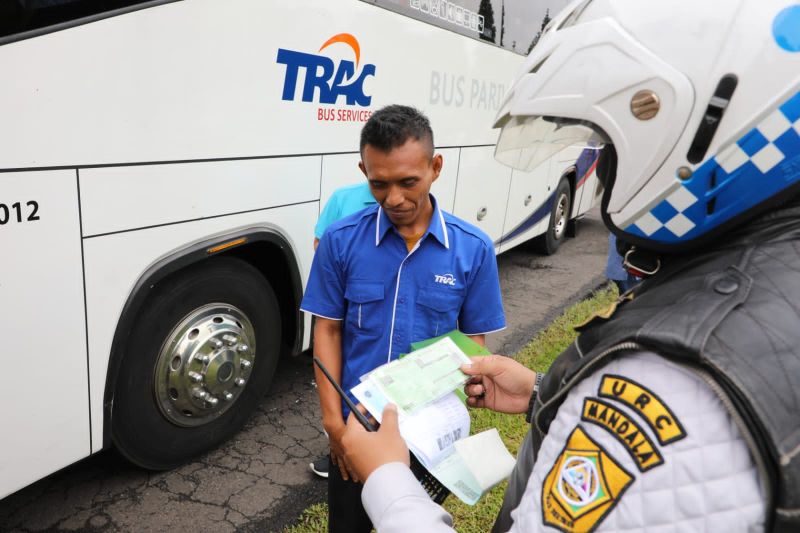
(559, 219)
(200, 358)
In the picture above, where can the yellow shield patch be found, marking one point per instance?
(583, 486)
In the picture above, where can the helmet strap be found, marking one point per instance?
(641, 263)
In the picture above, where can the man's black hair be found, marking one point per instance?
(393, 125)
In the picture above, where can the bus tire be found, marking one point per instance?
(559, 219)
(200, 358)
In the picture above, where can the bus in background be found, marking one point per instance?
(162, 166)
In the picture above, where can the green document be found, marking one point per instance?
(467, 345)
(423, 376)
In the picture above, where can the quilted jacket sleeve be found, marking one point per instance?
(397, 503)
(642, 444)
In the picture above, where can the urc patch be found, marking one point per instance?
(583, 485)
(645, 402)
(635, 440)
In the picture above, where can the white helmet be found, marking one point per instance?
(699, 98)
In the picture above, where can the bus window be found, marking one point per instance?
(515, 25)
(19, 16)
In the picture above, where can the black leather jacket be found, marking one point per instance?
(731, 312)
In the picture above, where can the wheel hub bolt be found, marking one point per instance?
(246, 364)
(200, 393)
(228, 396)
(243, 347)
(194, 376)
(239, 382)
(216, 343)
(230, 339)
(205, 358)
(212, 400)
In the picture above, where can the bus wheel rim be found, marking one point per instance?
(561, 216)
(204, 364)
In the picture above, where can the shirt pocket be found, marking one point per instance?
(436, 311)
(364, 306)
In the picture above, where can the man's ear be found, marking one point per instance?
(437, 163)
(363, 168)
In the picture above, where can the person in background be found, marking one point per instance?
(344, 201)
(615, 271)
(676, 408)
(390, 275)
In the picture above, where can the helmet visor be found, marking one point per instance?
(526, 142)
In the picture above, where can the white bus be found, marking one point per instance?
(162, 165)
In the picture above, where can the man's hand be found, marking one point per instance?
(499, 383)
(328, 348)
(365, 451)
(335, 435)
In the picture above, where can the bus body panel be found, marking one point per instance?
(44, 391)
(114, 263)
(132, 197)
(168, 83)
(586, 185)
(529, 205)
(444, 188)
(339, 170)
(590, 193)
(482, 194)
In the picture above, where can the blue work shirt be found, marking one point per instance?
(388, 297)
(344, 201)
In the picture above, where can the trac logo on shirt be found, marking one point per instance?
(447, 279)
(324, 77)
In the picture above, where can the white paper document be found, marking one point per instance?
(437, 432)
(475, 465)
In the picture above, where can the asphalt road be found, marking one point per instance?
(259, 481)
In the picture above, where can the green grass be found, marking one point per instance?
(312, 520)
(538, 354)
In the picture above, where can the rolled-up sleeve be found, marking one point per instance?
(397, 503)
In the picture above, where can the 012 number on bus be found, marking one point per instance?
(7, 213)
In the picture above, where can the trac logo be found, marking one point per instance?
(447, 279)
(322, 73)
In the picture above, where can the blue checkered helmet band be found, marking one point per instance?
(759, 165)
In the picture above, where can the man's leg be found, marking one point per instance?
(322, 465)
(345, 512)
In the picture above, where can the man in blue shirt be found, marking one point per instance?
(392, 274)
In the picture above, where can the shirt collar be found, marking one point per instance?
(437, 227)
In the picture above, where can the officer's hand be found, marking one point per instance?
(365, 451)
(499, 383)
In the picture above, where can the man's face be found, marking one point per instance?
(401, 179)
